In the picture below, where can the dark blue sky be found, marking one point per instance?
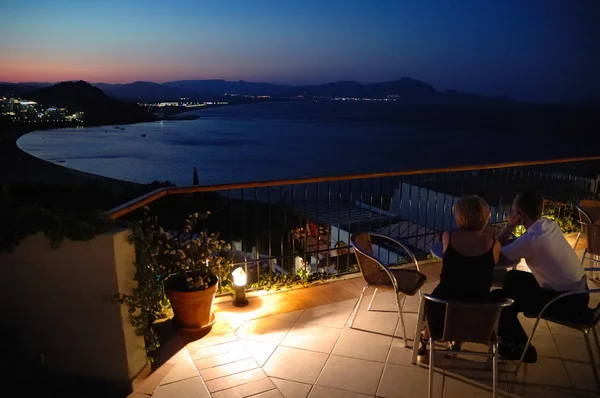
(529, 49)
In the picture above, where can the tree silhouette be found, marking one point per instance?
(195, 181)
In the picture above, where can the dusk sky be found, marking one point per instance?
(529, 49)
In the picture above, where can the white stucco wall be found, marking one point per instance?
(54, 303)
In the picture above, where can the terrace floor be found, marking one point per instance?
(297, 344)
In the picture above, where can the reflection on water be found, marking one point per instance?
(264, 142)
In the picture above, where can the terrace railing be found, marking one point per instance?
(283, 227)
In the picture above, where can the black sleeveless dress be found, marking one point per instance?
(463, 278)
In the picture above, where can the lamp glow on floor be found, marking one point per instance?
(239, 287)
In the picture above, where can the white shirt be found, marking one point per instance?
(549, 255)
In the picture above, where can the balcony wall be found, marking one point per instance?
(57, 312)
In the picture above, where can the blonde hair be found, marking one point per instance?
(472, 213)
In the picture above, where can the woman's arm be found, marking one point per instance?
(497, 248)
(445, 240)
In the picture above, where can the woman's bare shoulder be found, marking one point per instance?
(446, 236)
(472, 244)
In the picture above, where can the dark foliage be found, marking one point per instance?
(68, 211)
(98, 108)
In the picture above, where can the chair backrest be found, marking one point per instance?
(589, 211)
(592, 232)
(471, 322)
(370, 267)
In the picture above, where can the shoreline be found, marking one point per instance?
(19, 167)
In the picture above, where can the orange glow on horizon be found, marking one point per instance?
(59, 74)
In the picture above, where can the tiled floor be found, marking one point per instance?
(297, 344)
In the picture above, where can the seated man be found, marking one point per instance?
(554, 266)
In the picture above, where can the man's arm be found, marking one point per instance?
(515, 251)
(504, 234)
(512, 221)
(504, 262)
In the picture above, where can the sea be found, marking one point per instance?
(280, 140)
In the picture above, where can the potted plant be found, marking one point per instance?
(193, 259)
(181, 266)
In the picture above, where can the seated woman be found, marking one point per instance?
(467, 265)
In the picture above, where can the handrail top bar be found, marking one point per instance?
(149, 197)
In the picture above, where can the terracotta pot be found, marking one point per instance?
(193, 310)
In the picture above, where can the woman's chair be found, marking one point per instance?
(401, 281)
(467, 322)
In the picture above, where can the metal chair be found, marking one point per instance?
(592, 251)
(583, 321)
(467, 322)
(403, 282)
(589, 213)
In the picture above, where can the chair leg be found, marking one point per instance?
(418, 328)
(592, 362)
(355, 312)
(401, 319)
(372, 299)
(495, 370)
(490, 357)
(587, 273)
(577, 240)
(431, 367)
(535, 325)
(594, 261)
(596, 340)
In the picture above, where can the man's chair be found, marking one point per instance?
(589, 213)
(401, 281)
(583, 321)
(466, 322)
(592, 251)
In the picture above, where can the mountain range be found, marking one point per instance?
(406, 90)
(554, 122)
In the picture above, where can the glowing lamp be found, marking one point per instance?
(239, 287)
(239, 277)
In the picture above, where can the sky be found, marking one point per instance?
(531, 50)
